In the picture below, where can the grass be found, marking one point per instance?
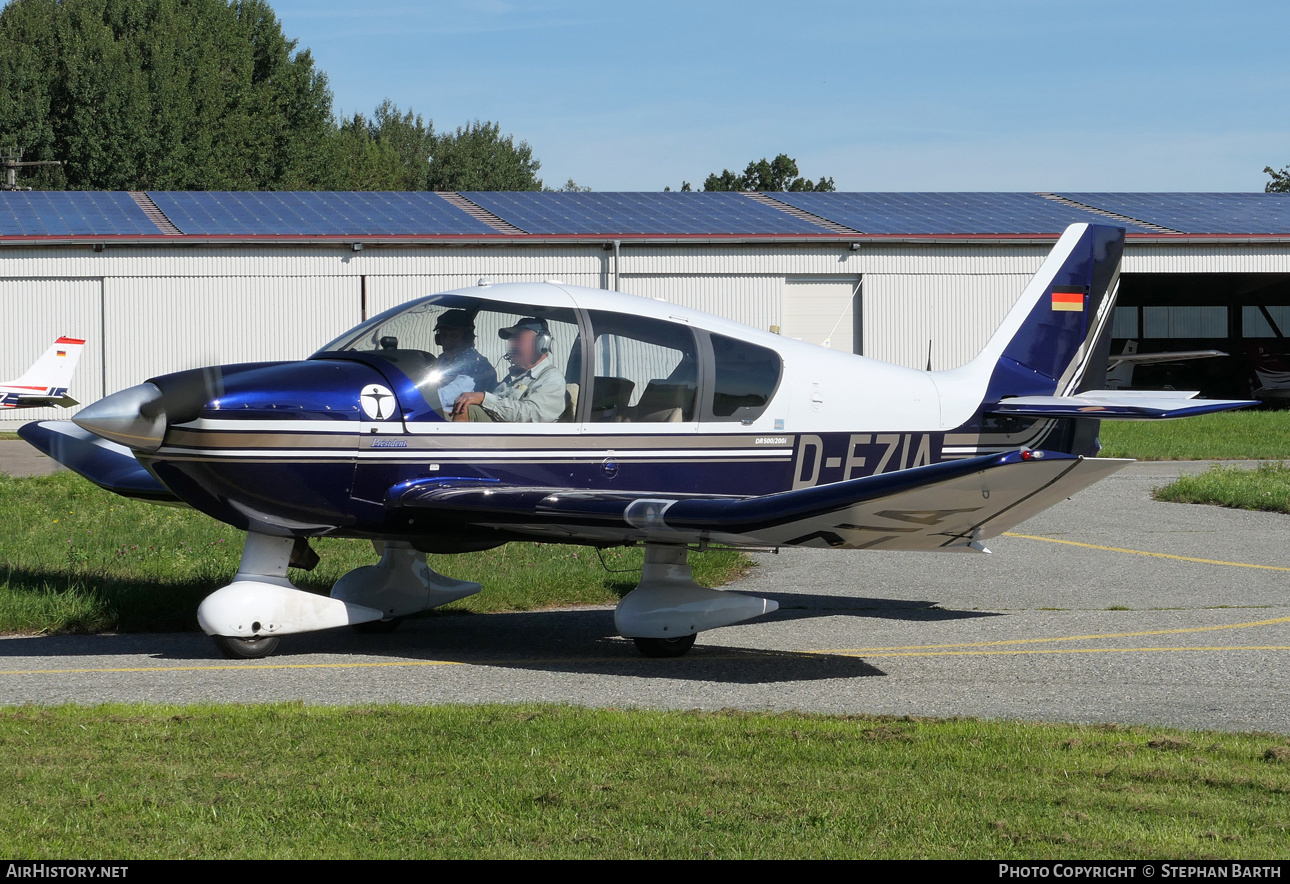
(1266, 487)
(294, 781)
(75, 558)
(1227, 435)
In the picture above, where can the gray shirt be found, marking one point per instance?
(533, 396)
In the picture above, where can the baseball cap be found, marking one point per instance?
(531, 323)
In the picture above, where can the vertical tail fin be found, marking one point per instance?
(52, 372)
(1056, 339)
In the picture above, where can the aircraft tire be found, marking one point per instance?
(377, 627)
(665, 647)
(245, 648)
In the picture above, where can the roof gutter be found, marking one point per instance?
(635, 239)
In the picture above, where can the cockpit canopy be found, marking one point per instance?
(637, 370)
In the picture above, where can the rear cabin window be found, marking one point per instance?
(644, 370)
(746, 378)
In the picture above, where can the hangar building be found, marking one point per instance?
(162, 281)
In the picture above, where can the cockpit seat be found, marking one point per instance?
(663, 403)
(609, 398)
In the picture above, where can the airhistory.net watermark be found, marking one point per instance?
(64, 870)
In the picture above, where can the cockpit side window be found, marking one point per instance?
(745, 378)
(452, 344)
(644, 370)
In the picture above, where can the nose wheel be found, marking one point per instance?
(245, 648)
(665, 647)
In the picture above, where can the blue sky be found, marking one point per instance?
(915, 95)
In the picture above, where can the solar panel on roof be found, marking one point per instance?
(79, 213)
(316, 214)
(1199, 212)
(945, 213)
(71, 213)
(608, 214)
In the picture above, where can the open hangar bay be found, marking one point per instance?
(163, 281)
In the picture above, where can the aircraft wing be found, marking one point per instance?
(104, 463)
(944, 506)
(1116, 405)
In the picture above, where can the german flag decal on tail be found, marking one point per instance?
(1068, 297)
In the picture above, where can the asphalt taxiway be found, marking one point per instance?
(1110, 607)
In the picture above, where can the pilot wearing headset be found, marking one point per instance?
(461, 368)
(533, 391)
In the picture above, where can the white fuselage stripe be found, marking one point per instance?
(430, 454)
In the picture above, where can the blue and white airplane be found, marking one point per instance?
(619, 420)
(46, 382)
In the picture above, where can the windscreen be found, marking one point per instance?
(451, 344)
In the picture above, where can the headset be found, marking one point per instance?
(544, 341)
(469, 331)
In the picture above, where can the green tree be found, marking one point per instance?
(777, 175)
(211, 95)
(478, 157)
(358, 160)
(395, 150)
(1280, 182)
(569, 186)
(161, 94)
(391, 151)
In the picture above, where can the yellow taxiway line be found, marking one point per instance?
(1063, 638)
(1140, 552)
(954, 649)
(867, 655)
(990, 648)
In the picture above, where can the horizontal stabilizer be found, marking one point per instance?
(63, 401)
(106, 464)
(955, 504)
(1118, 359)
(1123, 405)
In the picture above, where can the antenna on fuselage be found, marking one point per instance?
(929, 355)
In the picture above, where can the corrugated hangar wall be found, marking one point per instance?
(150, 310)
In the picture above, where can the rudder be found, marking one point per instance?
(53, 370)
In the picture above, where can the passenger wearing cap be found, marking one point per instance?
(533, 391)
(461, 368)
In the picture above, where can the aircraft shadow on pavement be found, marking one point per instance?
(799, 606)
(576, 642)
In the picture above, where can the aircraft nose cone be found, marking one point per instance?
(134, 417)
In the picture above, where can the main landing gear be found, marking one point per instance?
(246, 617)
(667, 609)
(662, 615)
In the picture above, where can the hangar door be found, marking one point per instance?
(823, 310)
(156, 325)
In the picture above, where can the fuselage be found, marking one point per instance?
(680, 402)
